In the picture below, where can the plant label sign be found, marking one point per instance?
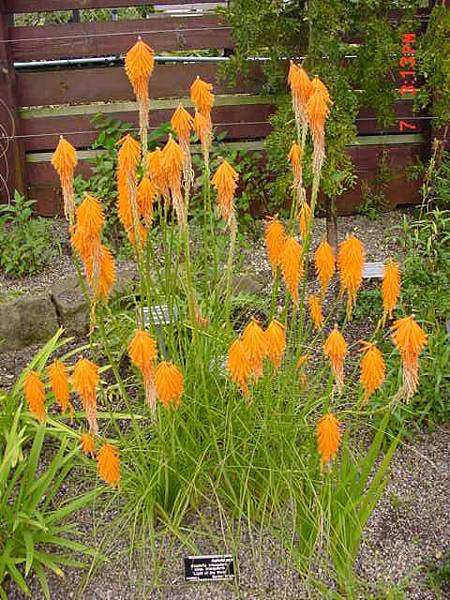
(373, 270)
(213, 567)
(159, 314)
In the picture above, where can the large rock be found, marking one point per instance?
(71, 306)
(29, 319)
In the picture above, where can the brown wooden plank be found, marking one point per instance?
(26, 6)
(239, 122)
(44, 181)
(403, 110)
(105, 38)
(94, 85)
(12, 157)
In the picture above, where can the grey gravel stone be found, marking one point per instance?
(26, 320)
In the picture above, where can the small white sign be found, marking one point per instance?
(160, 314)
(373, 270)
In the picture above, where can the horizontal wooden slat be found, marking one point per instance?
(26, 6)
(239, 122)
(105, 38)
(44, 185)
(94, 85)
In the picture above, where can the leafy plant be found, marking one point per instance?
(36, 535)
(27, 245)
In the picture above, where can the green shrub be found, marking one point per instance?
(27, 245)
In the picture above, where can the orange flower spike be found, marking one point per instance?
(59, 382)
(325, 265)
(156, 171)
(294, 157)
(351, 264)
(239, 365)
(335, 348)
(169, 383)
(255, 346)
(275, 238)
(128, 156)
(88, 444)
(146, 193)
(139, 65)
(108, 465)
(315, 310)
(373, 369)
(291, 266)
(225, 181)
(410, 340)
(182, 123)
(276, 342)
(142, 352)
(390, 287)
(90, 216)
(34, 391)
(107, 276)
(172, 162)
(328, 438)
(300, 84)
(64, 161)
(85, 380)
(317, 85)
(304, 216)
(203, 130)
(202, 96)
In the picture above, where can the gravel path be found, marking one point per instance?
(408, 531)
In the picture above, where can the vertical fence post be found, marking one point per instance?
(12, 155)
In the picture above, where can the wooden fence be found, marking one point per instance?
(37, 103)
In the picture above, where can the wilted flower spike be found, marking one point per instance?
(169, 384)
(276, 342)
(64, 160)
(108, 465)
(88, 444)
(85, 379)
(203, 130)
(59, 382)
(225, 182)
(317, 110)
(373, 369)
(390, 287)
(351, 266)
(294, 158)
(34, 391)
(410, 340)
(315, 310)
(328, 438)
(301, 89)
(304, 217)
(255, 346)
(291, 265)
(335, 348)
(325, 265)
(142, 351)
(239, 365)
(275, 238)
